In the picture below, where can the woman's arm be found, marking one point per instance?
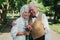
(22, 33)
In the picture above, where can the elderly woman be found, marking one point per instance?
(18, 30)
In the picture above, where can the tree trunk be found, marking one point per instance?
(4, 13)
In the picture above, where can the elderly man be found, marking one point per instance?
(34, 13)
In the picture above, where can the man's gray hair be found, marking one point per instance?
(23, 9)
(34, 3)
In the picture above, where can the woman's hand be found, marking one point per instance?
(27, 33)
(29, 27)
(20, 33)
(23, 33)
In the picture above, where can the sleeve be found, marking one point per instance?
(46, 26)
(14, 30)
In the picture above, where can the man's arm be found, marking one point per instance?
(14, 24)
(45, 22)
(46, 26)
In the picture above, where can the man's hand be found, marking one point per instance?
(14, 23)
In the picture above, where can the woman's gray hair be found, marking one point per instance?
(23, 9)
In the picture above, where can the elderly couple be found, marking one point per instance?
(29, 14)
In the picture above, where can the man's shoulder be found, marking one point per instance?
(43, 14)
(15, 22)
(19, 19)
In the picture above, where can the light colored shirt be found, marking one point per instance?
(45, 23)
(19, 27)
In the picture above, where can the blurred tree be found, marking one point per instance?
(56, 9)
(15, 5)
(3, 7)
(19, 3)
(54, 6)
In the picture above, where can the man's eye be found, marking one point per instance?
(29, 11)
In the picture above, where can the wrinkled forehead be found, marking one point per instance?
(32, 7)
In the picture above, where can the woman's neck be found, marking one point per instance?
(25, 19)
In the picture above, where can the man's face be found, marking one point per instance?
(33, 10)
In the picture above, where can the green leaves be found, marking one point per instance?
(48, 2)
(3, 2)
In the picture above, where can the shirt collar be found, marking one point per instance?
(37, 14)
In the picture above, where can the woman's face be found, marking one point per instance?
(26, 14)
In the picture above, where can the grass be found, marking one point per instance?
(1, 26)
(55, 27)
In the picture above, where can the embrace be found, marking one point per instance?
(31, 25)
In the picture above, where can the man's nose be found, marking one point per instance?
(31, 11)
